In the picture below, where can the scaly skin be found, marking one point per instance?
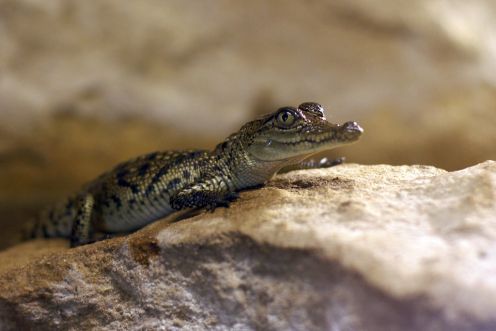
(153, 186)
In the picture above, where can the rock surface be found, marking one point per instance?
(347, 248)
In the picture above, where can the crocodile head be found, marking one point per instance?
(295, 133)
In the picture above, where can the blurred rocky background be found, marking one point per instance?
(86, 84)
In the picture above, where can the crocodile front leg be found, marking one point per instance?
(208, 194)
(313, 164)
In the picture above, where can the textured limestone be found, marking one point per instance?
(348, 248)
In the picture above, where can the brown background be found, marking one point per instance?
(86, 84)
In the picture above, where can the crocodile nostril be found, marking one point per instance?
(352, 126)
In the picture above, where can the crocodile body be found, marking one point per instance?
(155, 185)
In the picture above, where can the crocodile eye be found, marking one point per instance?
(286, 117)
(312, 107)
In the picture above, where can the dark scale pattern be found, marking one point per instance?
(143, 170)
(153, 186)
(117, 201)
(124, 183)
(173, 184)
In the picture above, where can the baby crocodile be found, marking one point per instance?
(155, 185)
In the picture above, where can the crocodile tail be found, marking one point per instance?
(55, 221)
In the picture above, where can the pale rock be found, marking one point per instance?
(347, 248)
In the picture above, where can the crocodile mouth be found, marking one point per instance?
(340, 134)
(304, 142)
